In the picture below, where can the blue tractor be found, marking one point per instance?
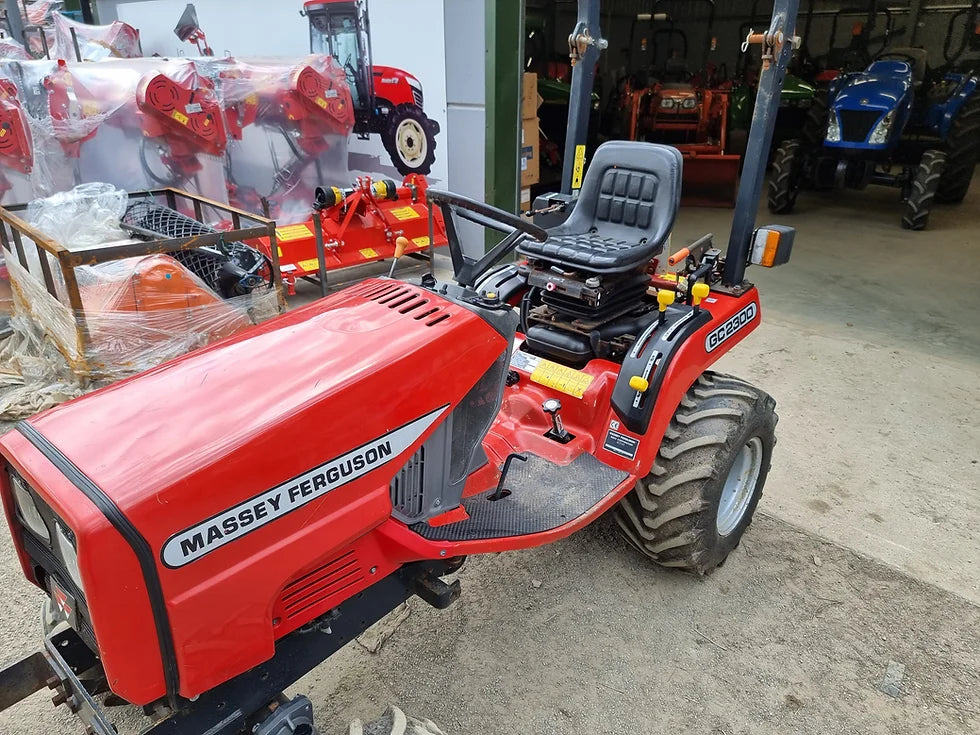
(893, 124)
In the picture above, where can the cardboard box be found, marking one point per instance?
(529, 96)
(530, 160)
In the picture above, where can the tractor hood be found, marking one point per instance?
(273, 401)
(796, 91)
(237, 465)
(883, 86)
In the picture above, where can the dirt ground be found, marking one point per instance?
(792, 635)
(865, 556)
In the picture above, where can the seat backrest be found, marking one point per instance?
(919, 56)
(631, 192)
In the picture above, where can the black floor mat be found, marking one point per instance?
(544, 496)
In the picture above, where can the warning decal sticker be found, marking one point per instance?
(404, 213)
(545, 372)
(229, 525)
(293, 232)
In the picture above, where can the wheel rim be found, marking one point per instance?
(739, 486)
(411, 143)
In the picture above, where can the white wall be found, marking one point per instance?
(466, 113)
(410, 36)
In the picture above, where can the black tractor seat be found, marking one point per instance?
(624, 213)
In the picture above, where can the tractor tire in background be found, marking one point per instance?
(784, 180)
(691, 510)
(924, 188)
(815, 126)
(409, 137)
(962, 152)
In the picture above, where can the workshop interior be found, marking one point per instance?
(374, 367)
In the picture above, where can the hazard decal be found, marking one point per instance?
(229, 525)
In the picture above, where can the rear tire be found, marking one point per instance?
(962, 150)
(784, 181)
(691, 510)
(918, 206)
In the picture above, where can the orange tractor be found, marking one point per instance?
(690, 112)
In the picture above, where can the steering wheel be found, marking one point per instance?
(466, 271)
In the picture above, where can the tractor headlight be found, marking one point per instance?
(27, 509)
(833, 128)
(64, 546)
(689, 104)
(417, 95)
(881, 131)
(667, 103)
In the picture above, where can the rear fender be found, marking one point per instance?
(731, 320)
(948, 111)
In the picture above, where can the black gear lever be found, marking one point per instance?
(552, 406)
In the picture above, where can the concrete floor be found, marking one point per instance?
(865, 551)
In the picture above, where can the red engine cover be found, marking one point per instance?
(220, 429)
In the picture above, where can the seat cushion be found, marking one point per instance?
(590, 251)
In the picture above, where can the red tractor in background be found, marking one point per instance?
(387, 101)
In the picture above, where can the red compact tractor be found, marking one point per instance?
(387, 101)
(201, 555)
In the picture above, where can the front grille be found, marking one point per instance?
(313, 589)
(856, 125)
(408, 488)
(417, 96)
(43, 558)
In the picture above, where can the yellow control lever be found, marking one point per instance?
(639, 384)
(699, 292)
(665, 297)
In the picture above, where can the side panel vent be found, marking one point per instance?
(313, 588)
(408, 488)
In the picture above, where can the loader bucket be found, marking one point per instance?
(710, 180)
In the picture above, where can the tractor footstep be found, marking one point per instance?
(543, 496)
(395, 722)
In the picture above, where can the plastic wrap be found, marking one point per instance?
(88, 214)
(288, 123)
(117, 40)
(6, 295)
(134, 123)
(227, 129)
(37, 19)
(34, 375)
(10, 49)
(40, 12)
(137, 313)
